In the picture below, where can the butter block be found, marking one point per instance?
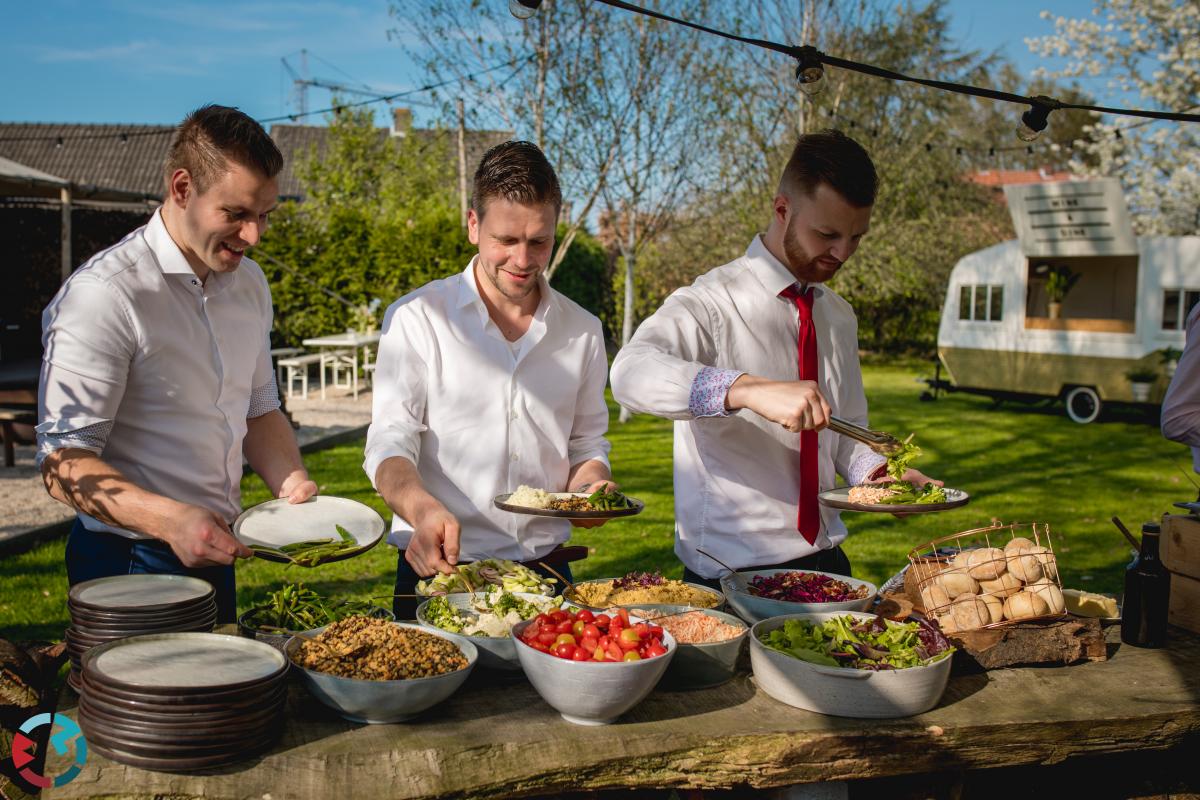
(1089, 604)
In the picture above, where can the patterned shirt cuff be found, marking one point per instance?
(89, 437)
(264, 399)
(709, 389)
(862, 467)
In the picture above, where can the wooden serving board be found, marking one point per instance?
(1052, 642)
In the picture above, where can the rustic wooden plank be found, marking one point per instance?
(497, 737)
(1180, 545)
(1055, 642)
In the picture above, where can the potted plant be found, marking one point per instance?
(1170, 360)
(1141, 378)
(1059, 281)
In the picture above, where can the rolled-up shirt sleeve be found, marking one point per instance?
(655, 373)
(89, 341)
(587, 440)
(264, 397)
(1181, 405)
(399, 393)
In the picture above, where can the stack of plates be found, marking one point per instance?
(182, 701)
(113, 608)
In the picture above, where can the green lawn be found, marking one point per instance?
(1018, 463)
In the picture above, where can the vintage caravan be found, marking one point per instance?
(1122, 313)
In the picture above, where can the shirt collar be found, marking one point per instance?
(171, 259)
(468, 293)
(770, 272)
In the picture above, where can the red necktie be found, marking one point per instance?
(808, 517)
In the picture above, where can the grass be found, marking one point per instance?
(1018, 463)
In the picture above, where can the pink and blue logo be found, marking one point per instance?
(64, 735)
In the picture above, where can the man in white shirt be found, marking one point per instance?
(157, 375)
(487, 380)
(752, 354)
(1181, 404)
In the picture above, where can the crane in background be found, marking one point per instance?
(301, 82)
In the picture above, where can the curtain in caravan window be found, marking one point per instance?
(964, 302)
(995, 303)
(1170, 315)
(981, 301)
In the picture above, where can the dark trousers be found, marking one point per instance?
(95, 554)
(406, 583)
(831, 560)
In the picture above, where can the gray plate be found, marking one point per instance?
(183, 663)
(278, 522)
(140, 593)
(840, 498)
(501, 503)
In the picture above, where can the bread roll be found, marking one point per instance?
(1004, 586)
(1049, 591)
(946, 623)
(995, 606)
(970, 612)
(1023, 605)
(956, 582)
(1017, 543)
(1049, 564)
(1025, 565)
(934, 598)
(986, 563)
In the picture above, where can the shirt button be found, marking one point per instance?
(513, 415)
(515, 457)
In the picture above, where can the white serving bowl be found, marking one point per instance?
(591, 692)
(703, 665)
(377, 702)
(495, 652)
(753, 608)
(841, 691)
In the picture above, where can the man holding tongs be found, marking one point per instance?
(754, 353)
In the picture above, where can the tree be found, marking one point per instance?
(1149, 52)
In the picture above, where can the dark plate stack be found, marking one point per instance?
(113, 608)
(178, 702)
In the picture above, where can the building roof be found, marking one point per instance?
(93, 156)
(296, 141)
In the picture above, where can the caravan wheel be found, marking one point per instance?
(1083, 404)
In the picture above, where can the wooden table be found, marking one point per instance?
(351, 340)
(496, 738)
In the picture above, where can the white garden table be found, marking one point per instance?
(350, 340)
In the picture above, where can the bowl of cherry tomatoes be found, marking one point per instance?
(592, 667)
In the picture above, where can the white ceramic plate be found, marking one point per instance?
(140, 593)
(840, 498)
(278, 522)
(502, 503)
(184, 661)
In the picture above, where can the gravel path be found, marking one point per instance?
(24, 503)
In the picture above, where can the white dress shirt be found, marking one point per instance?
(1181, 404)
(480, 416)
(737, 477)
(163, 366)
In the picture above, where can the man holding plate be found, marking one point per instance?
(157, 375)
(751, 360)
(485, 381)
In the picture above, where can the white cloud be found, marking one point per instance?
(54, 55)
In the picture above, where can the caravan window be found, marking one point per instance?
(981, 303)
(1177, 304)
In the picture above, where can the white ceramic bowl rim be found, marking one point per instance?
(840, 672)
(471, 653)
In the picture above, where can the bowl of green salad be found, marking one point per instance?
(851, 664)
(486, 619)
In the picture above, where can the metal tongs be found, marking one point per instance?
(883, 443)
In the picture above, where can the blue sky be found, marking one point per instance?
(139, 62)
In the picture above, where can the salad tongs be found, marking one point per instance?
(882, 443)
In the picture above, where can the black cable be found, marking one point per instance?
(161, 131)
(799, 53)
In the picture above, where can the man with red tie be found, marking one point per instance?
(751, 360)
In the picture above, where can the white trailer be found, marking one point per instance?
(998, 335)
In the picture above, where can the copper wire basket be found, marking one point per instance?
(957, 578)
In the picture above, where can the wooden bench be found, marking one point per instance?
(296, 367)
(279, 353)
(8, 418)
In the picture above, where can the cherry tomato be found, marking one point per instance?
(589, 644)
(558, 615)
(631, 656)
(655, 649)
(578, 628)
(656, 631)
(623, 615)
(564, 638)
(563, 627)
(629, 639)
(547, 637)
(565, 650)
(601, 620)
(614, 651)
(643, 630)
(581, 654)
(591, 631)
(545, 648)
(600, 655)
(542, 620)
(585, 615)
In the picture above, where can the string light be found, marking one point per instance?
(1034, 121)
(523, 9)
(809, 72)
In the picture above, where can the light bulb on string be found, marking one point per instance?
(1034, 121)
(523, 9)
(809, 72)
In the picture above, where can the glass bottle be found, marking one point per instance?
(1147, 594)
